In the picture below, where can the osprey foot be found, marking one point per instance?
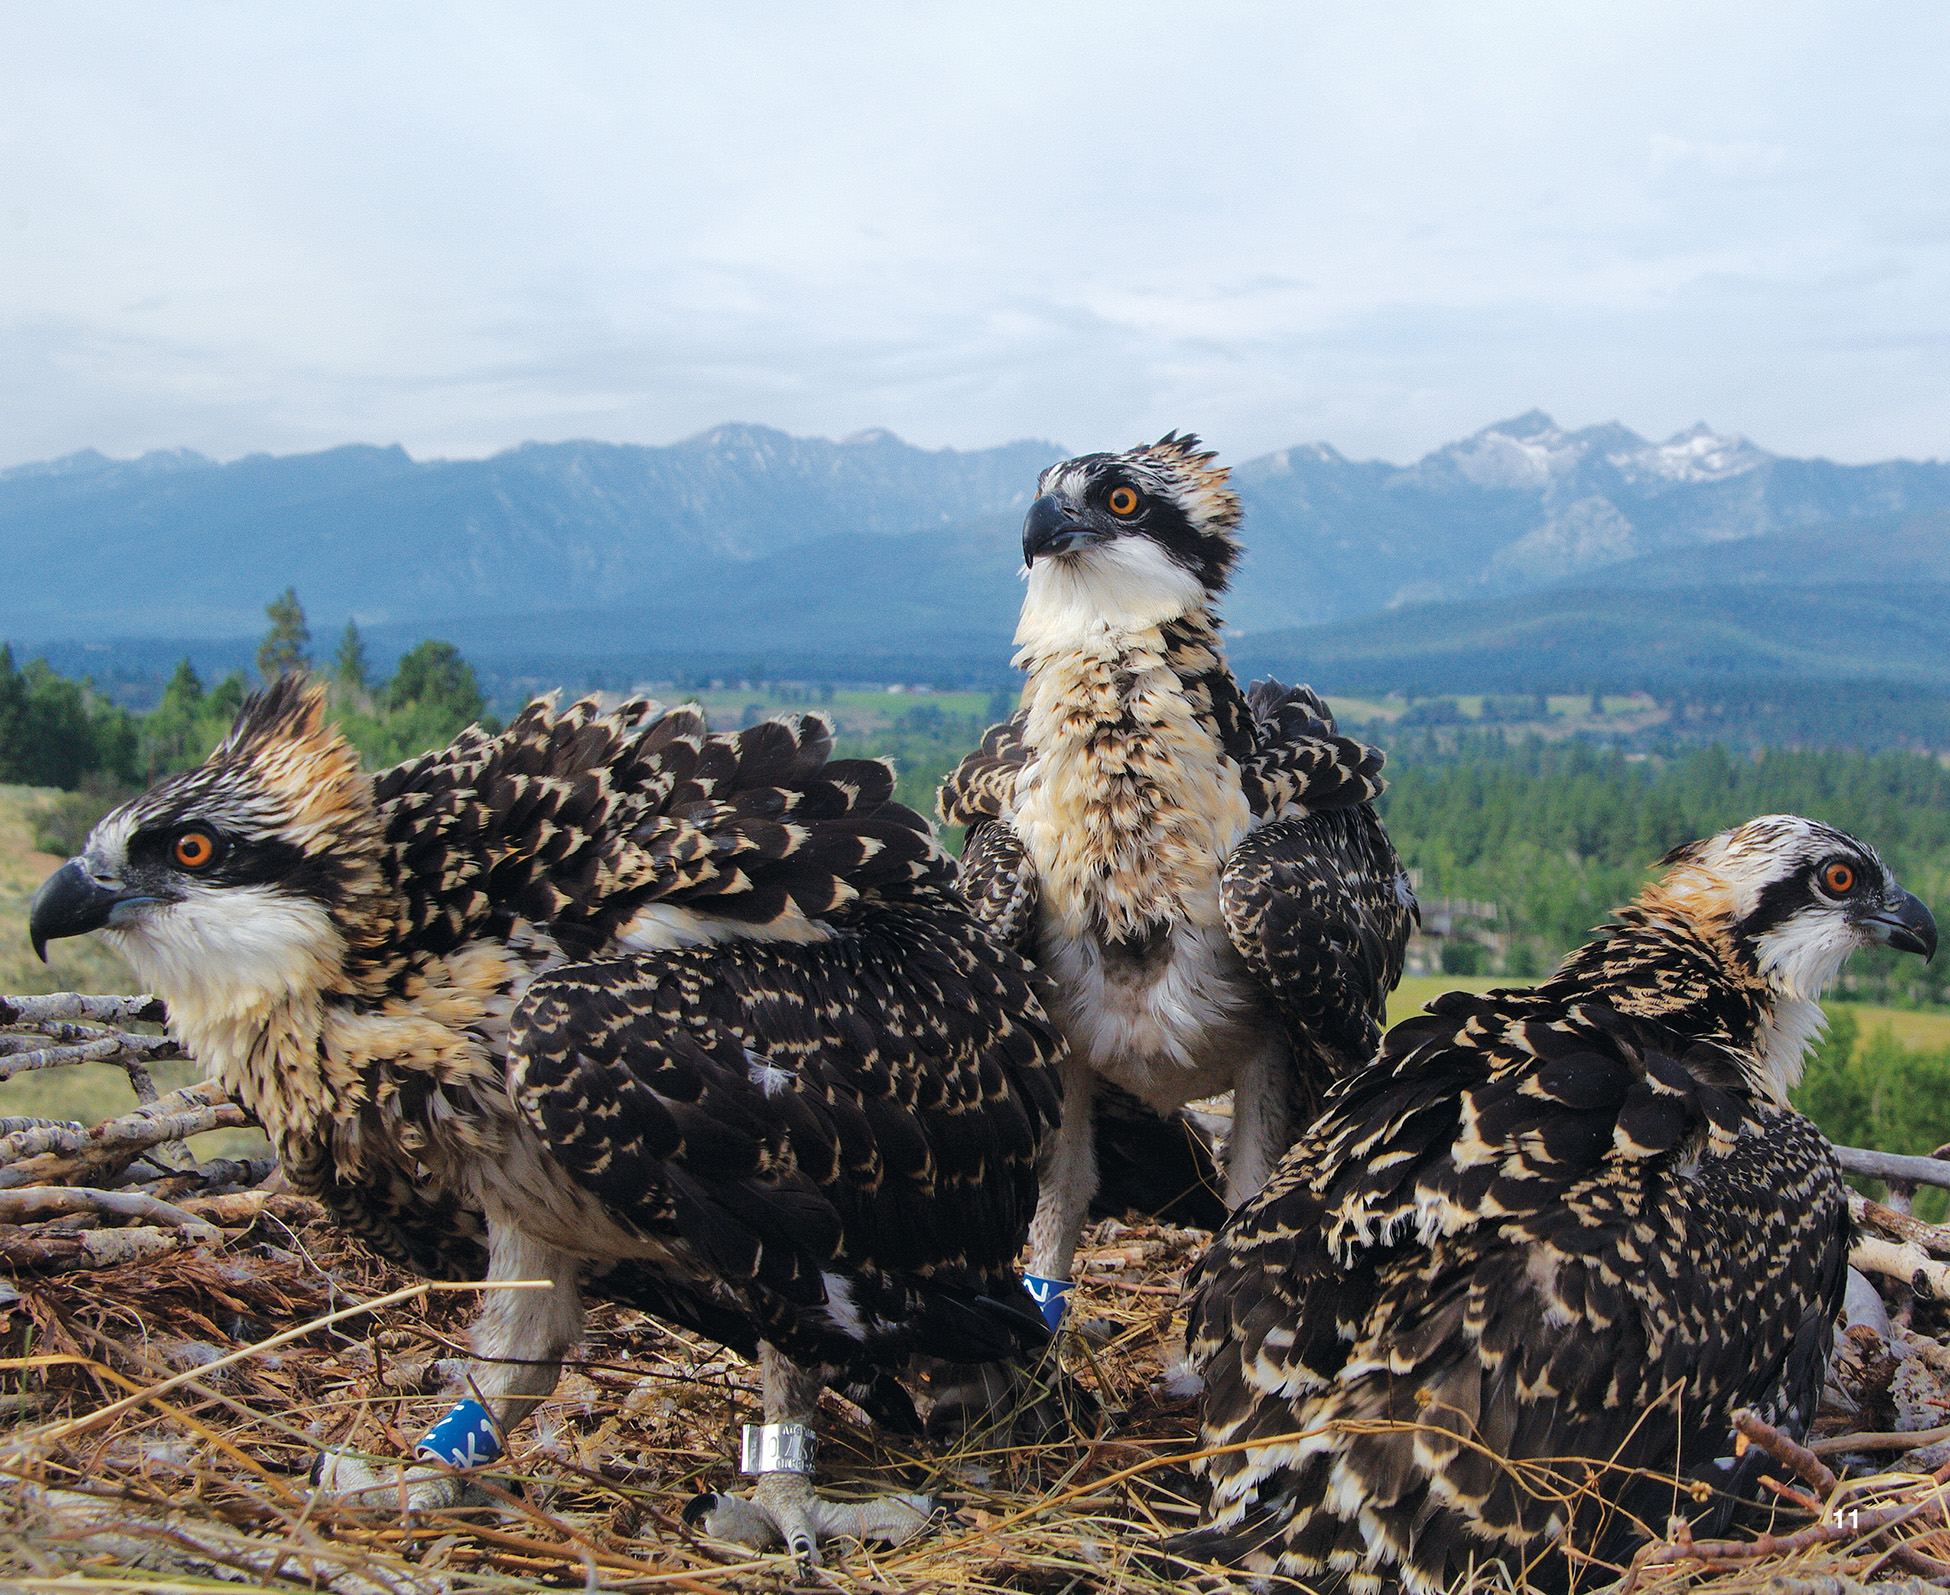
(337, 1476)
(782, 1509)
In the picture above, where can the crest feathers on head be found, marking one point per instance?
(1189, 446)
(291, 709)
(299, 762)
(1204, 491)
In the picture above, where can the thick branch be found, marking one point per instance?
(70, 1005)
(1892, 1166)
(115, 1046)
(51, 1157)
(16, 1126)
(1933, 1238)
(1891, 1440)
(44, 1250)
(236, 1209)
(45, 1201)
(1905, 1261)
(219, 1174)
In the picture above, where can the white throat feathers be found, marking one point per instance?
(1122, 588)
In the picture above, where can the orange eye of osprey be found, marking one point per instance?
(1122, 501)
(1839, 879)
(194, 849)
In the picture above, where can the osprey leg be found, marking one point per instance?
(519, 1341)
(782, 1507)
(1260, 1120)
(1068, 1181)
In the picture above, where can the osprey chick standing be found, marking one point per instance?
(1532, 1260)
(702, 1015)
(1197, 871)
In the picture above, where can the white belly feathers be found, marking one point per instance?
(1170, 1024)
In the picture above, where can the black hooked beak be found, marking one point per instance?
(1905, 924)
(1052, 527)
(71, 902)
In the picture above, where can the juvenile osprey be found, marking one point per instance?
(701, 1015)
(1197, 871)
(1532, 1259)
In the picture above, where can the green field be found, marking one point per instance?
(1919, 1029)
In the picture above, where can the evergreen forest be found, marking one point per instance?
(1536, 840)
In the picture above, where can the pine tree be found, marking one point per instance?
(283, 648)
(349, 665)
(15, 731)
(434, 674)
(185, 689)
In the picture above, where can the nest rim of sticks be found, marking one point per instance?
(157, 1424)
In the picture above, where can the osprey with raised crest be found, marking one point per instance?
(697, 1021)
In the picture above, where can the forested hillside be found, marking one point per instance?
(61, 733)
(1555, 835)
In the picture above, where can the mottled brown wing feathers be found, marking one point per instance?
(1315, 899)
(577, 820)
(838, 1138)
(1299, 763)
(996, 875)
(1567, 1237)
(1319, 907)
(983, 785)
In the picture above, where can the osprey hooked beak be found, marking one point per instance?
(71, 902)
(1053, 526)
(1904, 924)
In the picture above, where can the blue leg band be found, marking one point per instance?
(1048, 1295)
(465, 1438)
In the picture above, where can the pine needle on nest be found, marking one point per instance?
(165, 1385)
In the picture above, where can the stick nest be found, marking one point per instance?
(178, 1341)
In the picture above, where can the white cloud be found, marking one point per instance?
(460, 226)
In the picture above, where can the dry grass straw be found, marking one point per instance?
(157, 1421)
(148, 1451)
(158, 1416)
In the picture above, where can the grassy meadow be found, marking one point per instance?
(1915, 1029)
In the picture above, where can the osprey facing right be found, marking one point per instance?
(1533, 1259)
(1197, 871)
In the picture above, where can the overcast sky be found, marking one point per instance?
(283, 227)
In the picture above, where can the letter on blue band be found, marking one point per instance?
(465, 1438)
(1048, 1294)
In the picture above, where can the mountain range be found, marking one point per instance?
(1524, 546)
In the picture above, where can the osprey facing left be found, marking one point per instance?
(699, 1016)
(1198, 872)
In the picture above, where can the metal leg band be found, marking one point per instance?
(777, 1448)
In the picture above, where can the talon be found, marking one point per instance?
(336, 1476)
